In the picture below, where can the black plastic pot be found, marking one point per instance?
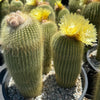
(92, 74)
(93, 65)
(7, 77)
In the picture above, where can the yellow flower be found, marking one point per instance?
(40, 14)
(59, 4)
(32, 2)
(77, 26)
(0, 0)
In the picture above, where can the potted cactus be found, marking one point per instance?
(23, 52)
(68, 45)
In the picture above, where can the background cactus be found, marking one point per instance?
(97, 88)
(67, 47)
(23, 53)
(61, 14)
(49, 29)
(92, 12)
(16, 5)
(48, 7)
(4, 9)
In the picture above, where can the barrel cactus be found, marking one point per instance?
(16, 5)
(67, 47)
(23, 52)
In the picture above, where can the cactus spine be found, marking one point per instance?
(67, 56)
(16, 5)
(23, 52)
(49, 29)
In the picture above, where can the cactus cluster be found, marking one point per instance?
(34, 33)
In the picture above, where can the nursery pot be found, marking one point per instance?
(93, 65)
(93, 70)
(7, 77)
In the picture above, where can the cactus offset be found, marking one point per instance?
(23, 53)
(67, 47)
(49, 29)
(16, 5)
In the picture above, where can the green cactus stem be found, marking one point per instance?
(92, 12)
(23, 53)
(67, 57)
(61, 14)
(97, 88)
(49, 29)
(16, 5)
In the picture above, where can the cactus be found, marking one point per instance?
(62, 13)
(16, 5)
(29, 5)
(92, 12)
(4, 9)
(23, 53)
(67, 48)
(48, 7)
(67, 55)
(97, 88)
(49, 29)
(74, 5)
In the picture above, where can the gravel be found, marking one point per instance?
(51, 91)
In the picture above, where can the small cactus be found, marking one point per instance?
(23, 52)
(16, 5)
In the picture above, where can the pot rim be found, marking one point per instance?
(81, 97)
(89, 61)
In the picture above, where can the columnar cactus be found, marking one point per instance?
(97, 88)
(16, 5)
(23, 52)
(49, 29)
(67, 47)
